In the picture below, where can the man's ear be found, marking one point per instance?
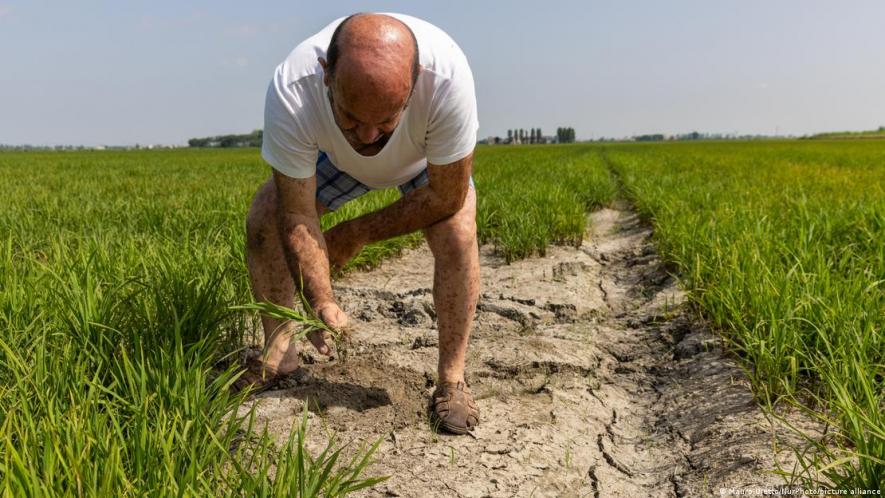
(326, 79)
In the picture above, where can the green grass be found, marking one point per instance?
(532, 196)
(120, 278)
(782, 247)
(121, 274)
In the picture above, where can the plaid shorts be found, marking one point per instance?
(335, 187)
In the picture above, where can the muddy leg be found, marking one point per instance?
(455, 285)
(270, 276)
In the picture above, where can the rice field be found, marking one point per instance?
(121, 274)
(782, 246)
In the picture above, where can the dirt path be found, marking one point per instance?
(590, 379)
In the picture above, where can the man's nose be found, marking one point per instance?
(367, 134)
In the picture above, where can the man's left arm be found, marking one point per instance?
(442, 197)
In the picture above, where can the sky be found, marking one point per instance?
(159, 72)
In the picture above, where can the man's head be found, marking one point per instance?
(370, 72)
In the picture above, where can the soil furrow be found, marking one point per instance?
(591, 377)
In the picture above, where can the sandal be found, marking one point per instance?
(256, 377)
(454, 408)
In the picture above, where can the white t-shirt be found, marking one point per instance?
(439, 124)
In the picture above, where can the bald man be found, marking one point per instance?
(371, 101)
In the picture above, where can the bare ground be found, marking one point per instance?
(591, 378)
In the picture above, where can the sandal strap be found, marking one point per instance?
(455, 408)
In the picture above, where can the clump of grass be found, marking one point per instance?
(294, 471)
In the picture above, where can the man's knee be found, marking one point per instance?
(261, 220)
(454, 235)
(461, 232)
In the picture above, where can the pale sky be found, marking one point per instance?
(159, 72)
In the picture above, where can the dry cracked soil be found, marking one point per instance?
(591, 376)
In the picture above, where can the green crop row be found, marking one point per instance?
(118, 274)
(782, 247)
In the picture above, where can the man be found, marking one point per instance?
(370, 102)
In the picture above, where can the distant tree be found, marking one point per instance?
(540, 136)
(250, 140)
(565, 135)
(654, 137)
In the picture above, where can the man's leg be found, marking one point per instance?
(455, 285)
(270, 276)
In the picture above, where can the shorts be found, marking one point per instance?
(335, 187)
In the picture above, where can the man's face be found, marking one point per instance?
(366, 123)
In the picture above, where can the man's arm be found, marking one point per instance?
(420, 208)
(305, 248)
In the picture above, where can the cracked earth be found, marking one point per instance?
(591, 376)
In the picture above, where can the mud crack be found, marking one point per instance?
(591, 379)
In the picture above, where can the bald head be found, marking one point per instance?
(378, 51)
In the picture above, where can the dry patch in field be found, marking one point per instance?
(591, 380)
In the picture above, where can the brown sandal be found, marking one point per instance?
(454, 408)
(256, 377)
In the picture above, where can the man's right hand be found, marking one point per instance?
(305, 248)
(332, 315)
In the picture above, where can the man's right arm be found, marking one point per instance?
(305, 249)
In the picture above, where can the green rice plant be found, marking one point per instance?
(122, 278)
(781, 247)
(293, 471)
(118, 274)
(531, 197)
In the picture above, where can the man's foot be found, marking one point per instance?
(454, 409)
(257, 377)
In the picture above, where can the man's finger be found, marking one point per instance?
(317, 338)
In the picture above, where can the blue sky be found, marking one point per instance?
(102, 72)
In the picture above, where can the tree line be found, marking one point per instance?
(565, 135)
(536, 136)
(519, 136)
(225, 141)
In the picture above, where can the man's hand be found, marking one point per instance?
(342, 244)
(332, 315)
(305, 249)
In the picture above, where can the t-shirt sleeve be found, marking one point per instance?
(451, 130)
(286, 142)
